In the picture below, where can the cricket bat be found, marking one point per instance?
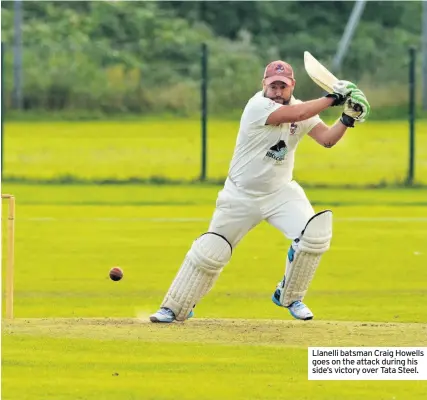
(318, 73)
(321, 75)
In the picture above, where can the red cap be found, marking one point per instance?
(279, 71)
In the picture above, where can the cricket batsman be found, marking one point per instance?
(259, 187)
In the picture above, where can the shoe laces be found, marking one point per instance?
(167, 311)
(298, 305)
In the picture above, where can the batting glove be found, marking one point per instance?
(341, 91)
(356, 108)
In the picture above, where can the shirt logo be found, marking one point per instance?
(277, 153)
(293, 128)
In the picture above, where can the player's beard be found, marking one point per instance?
(282, 100)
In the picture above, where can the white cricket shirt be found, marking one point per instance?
(263, 158)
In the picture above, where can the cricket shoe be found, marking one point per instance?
(297, 309)
(166, 315)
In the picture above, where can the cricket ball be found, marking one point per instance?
(116, 273)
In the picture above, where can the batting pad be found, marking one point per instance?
(198, 273)
(304, 257)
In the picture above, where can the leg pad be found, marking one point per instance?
(304, 257)
(198, 273)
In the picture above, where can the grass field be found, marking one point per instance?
(78, 335)
(372, 153)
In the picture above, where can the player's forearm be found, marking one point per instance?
(333, 135)
(311, 108)
(299, 112)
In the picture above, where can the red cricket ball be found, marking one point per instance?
(116, 273)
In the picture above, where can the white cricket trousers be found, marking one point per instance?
(237, 212)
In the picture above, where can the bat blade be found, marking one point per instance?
(322, 76)
(318, 73)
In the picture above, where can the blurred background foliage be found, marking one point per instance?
(111, 58)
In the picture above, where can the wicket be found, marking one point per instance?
(10, 255)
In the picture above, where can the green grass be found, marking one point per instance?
(78, 335)
(209, 359)
(372, 153)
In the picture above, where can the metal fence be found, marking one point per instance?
(127, 122)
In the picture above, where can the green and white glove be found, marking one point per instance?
(341, 91)
(356, 108)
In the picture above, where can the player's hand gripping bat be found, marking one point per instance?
(322, 76)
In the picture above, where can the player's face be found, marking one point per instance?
(278, 91)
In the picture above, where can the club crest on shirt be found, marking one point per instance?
(293, 128)
(277, 153)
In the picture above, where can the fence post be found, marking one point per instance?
(17, 55)
(412, 112)
(424, 54)
(2, 109)
(204, 108)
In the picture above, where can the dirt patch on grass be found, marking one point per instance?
(226, 331)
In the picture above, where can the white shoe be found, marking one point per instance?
(300, 311)
(166, 315)
(297, 309)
